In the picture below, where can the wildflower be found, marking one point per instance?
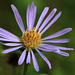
(31, 39)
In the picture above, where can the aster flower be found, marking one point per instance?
(31, 39)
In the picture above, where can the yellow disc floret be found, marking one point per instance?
(31, 38)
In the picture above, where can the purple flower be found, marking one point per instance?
(32, 37)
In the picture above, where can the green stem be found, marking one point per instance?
(25, 66)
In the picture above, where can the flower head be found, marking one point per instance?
(31, 39)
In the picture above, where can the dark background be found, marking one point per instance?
(60, 65)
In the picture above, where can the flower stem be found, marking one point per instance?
(25, 66)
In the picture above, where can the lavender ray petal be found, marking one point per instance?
(27, 16)
(59, 33)
(58, 41)
(46, 50)
(22, 57)
(5, 36)
(10, 40)
(61, 53)
(46, 46)
(48, 19)
(11, 44)
(42, 17)
(11, 49)
(44, 58)
(57, 47)
(18, 18)
(8, 37)
(28, 58)
(35, 10)
(55, 19)
(3, 31)
(35, 62)
(31, 16)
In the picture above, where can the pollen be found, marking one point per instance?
(31, 38)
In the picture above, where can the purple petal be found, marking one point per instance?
(27, 15)
(22, 57)
(42, 17)
(18, 18)
(55, 19)
(59, 33)
(2, 39)
(35, 62)
(11, 44)
(48, 46)
(31, 16)
(8, 37)
(28, 58)
(44, 58)
(48, 18)
(57, 47)
(58, 41)
(5, 32)
(11, 49)
(46, 49)
(35, 9)
(61, 53)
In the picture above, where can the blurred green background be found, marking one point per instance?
(60, 65)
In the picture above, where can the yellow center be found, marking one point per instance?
(31, 38)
